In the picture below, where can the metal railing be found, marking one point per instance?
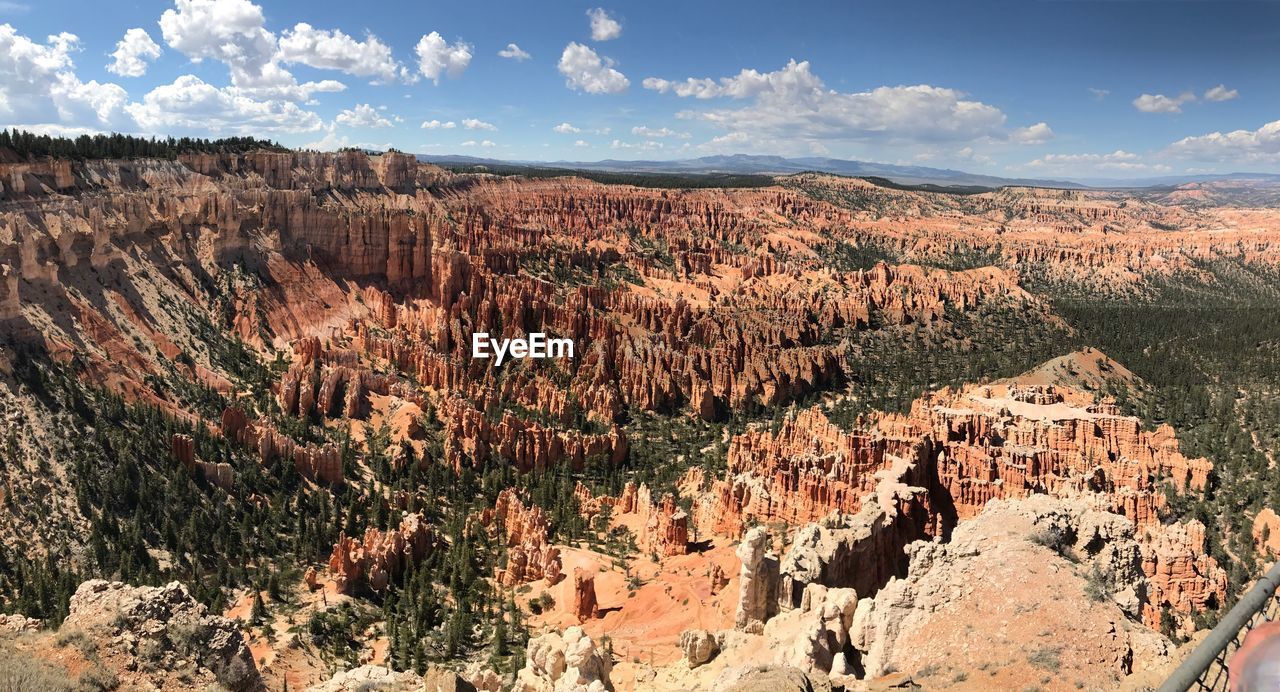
(1206, 668)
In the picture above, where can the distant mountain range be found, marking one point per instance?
(746, 164)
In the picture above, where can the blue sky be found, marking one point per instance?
(1110, 88)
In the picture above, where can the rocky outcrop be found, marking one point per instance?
(182, 447)
(802, 472)
(1010, 441)
(1182, 576)
(1266, 533)
(370, 677)
(19, 623)
(381, 555)
(162, 629)
(757, 582)
(663, 528)
(814, 637)
(771, 678)
(321, 463)
(698, 647)
(569, 661)
(1006, 583)
(529, 555)
(584, 606)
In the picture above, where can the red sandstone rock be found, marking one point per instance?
(584, 595)
(529, 556)
(380, 556)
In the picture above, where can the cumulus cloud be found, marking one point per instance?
(334, 50)
(1159, 103)
(1034, 134)
(477, 124)
(792, 104)
(1220, 93)
(603, 27)
(437, 125)
(1239, 146)
(473, 143)
(363, 115)
(231, 31)
(234, 33)
(38, 84)
(438, 58)
(660, 132)
(1099, 94)
(582, 143)
(566, 129)
(189, 103)
(132, 53)
(585, 70)
(514, 52)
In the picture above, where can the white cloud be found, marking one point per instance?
(647, 145)
(191, 104)
(586, 71)
(472, 143)
(363, 115)
(334, 50)
(38, 84)
(476, 124)
(968, 154)
(697, 88)
(661, 132)
(1118, 160)
(582, 143)
(1034, 134)
(132, 53)
(234, 33)
(437, 58)
(437, 125)
(1220, 93)
(1240, 146)
(231, 31)
(514, 52)
(603, 27)
(566, 129)
(333, 142)
(1099, 94)
(1159, 103)
(793, 105)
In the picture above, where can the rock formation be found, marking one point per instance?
(529, 556)
(1181, 575)
(584, 605)
(757, 582)
(663, 528)
(698, 647)
(220, 473)
(1266, 533)
(162, 629)
(569, 661)
(1002, 559)
(380, 556)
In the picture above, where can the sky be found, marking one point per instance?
(1054, 88)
